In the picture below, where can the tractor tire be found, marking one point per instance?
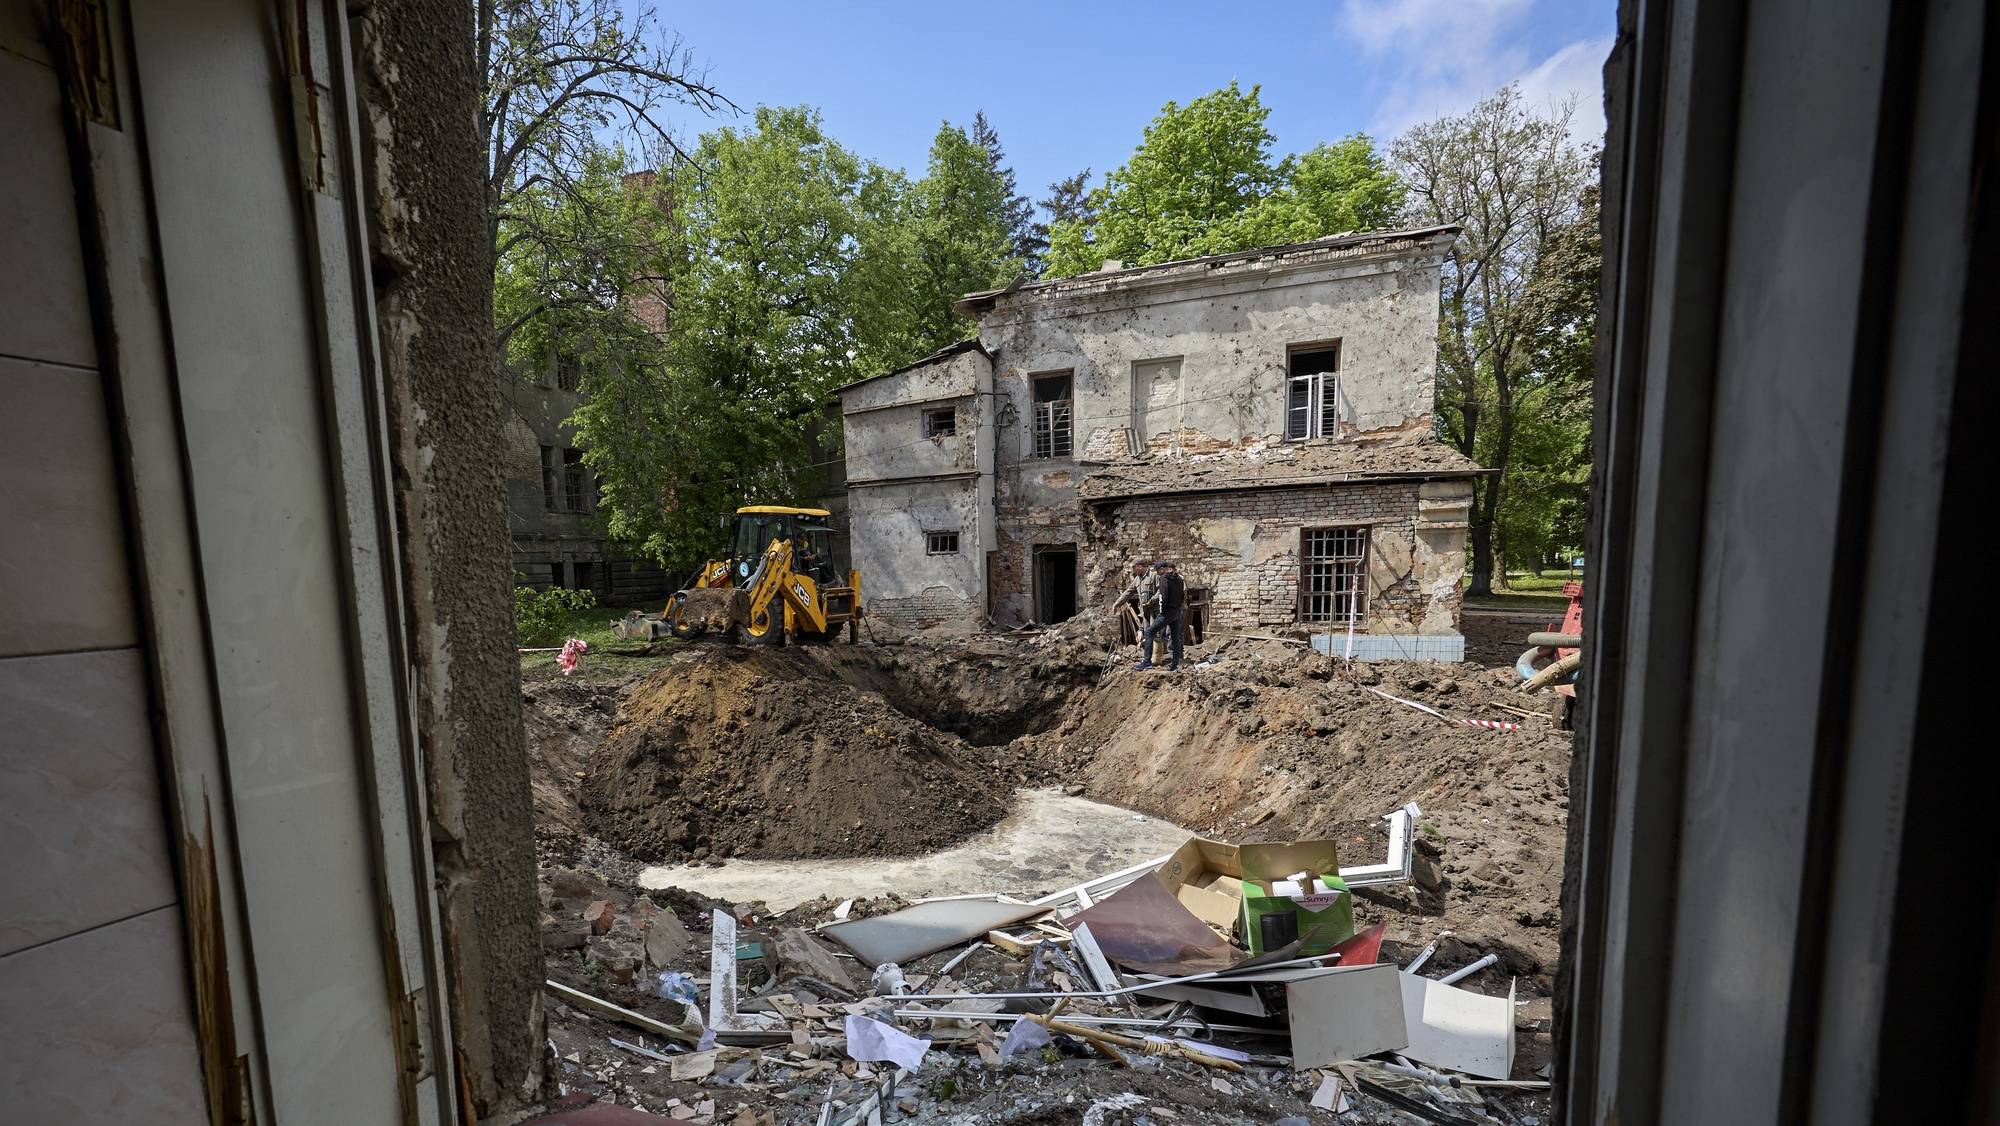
(686, 631)
(772, 631)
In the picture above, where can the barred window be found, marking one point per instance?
(941, 543)
(1332, 570)
(940, 423)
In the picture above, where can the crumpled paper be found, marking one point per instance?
(869, 1040)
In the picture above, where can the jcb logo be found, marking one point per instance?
(800, 590)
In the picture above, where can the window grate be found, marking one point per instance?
(940, 423)
(941, 543)
(1330, 575)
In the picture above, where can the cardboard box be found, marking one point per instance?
(1323, 919)
(1208, 877)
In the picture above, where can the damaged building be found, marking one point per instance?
(1263, 418)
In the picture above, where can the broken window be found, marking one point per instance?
(940, 423)
(1053, 409)
(569, 373)
(1312, 393)
(1331, 568)
(550, 469)
(576, 482)
(941, 543)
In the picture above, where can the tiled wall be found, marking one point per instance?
(93, 979)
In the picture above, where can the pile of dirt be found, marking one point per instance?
(754, 752)
(1270, 742)
(564, 720)
(987, 690)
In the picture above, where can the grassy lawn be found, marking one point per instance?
(594, 627)
(1527, 592)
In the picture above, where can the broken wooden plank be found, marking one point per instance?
(605, 1008)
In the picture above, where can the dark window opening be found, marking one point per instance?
(1053, 410)
(1331, 574)
(1312, 393)
(551, 466)
(569, 373)
(941, 543)
(576, 482)
(1055, 583)
(940, 423)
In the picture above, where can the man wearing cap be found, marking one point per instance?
(1169, 606)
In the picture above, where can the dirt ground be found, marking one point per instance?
(904, 747)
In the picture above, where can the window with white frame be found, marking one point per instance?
(940, 543)
(1312, 392)
(1053, 409)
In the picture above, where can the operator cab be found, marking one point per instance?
(806, 528)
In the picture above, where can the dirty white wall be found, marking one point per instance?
(1230, 327)
(903, 485)
(1194, 358)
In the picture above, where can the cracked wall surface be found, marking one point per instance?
(432, 266)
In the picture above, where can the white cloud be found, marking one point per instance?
(1436, 57)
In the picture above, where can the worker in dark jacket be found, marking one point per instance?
(1171, 599)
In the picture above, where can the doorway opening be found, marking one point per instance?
(1055, 583)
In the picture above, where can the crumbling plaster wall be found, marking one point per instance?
(1230, 332)
(883, 420)
(1244, 548)
(1231, 335)
(900, 581)
(432, 267)
(902, 485)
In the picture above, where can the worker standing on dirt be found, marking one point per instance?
(1143, 596)
(1169, 606)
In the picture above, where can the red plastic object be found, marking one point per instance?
(1364, 949)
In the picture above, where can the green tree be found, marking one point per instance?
(1549, 476)
(1067, 208)
(763, 272)
(1017, 213)
(1202, 181)
(1333, 189)
(1514, 182)
(960, 237)
(558, 78)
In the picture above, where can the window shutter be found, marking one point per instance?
(1298, 408)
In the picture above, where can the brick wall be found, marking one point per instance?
(930, 607)
(1244, 547)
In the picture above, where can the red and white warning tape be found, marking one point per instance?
(1488, 724)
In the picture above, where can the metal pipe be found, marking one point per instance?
(1073, 1018)
(1139, 988)
(1467, 971)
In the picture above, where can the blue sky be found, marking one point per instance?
(1072, 85)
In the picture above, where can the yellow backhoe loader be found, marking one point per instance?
(778, 580)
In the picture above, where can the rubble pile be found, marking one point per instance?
(708, 1013)
(897, 748)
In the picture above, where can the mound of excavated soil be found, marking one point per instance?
(744, 751)
(1269, 743)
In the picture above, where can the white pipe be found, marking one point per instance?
(1468, 971)
(1417, 963)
